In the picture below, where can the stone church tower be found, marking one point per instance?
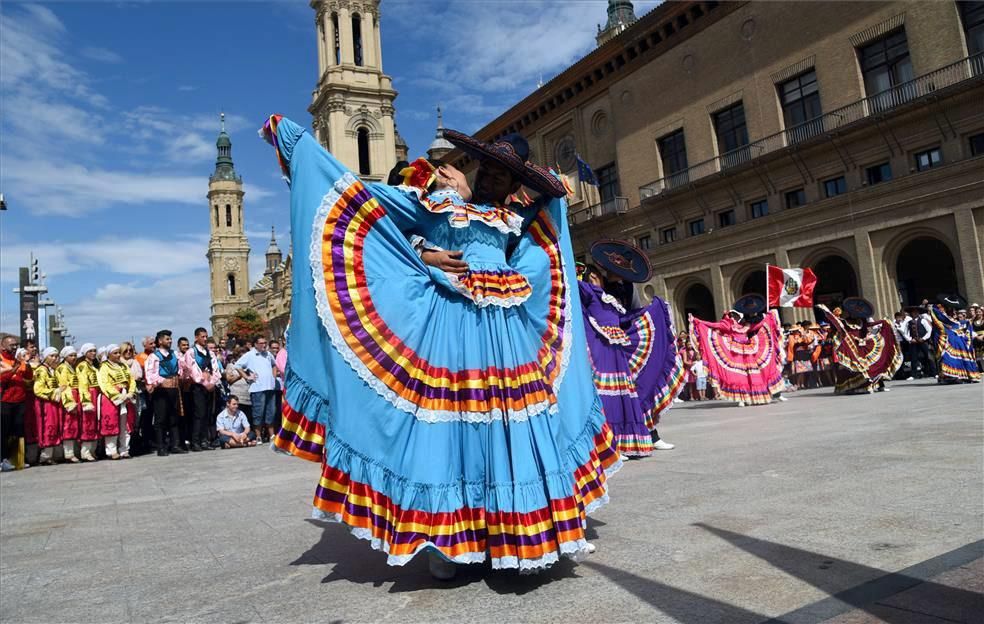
(228, 247)
(353, 99)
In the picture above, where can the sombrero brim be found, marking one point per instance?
(952, 300)
(531, 175)
(623, 259)
(750, 305)
(858, 308)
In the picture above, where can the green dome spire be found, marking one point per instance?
(224, 168)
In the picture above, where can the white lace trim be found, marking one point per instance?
(482, 301)
(338, 342)
(601, 330)
(612, 301)
(512, 225)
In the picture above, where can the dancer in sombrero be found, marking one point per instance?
(955, 341)
(742, 352)
(637, 371)
(866, 350)
(450, 412)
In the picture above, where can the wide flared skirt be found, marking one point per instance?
(472, 429)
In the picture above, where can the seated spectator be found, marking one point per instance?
(232, 426)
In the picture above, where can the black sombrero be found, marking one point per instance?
(857, 308)
(952, 300)
(750, 305)
(513, 152)
(623, 259)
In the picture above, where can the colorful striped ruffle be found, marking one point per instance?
(614, 384)
(631, 445)
(393, 368)
(501, 287)
(299, 436)
(614, 334)
(674, 385)
(514, 540)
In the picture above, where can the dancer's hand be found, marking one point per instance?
(447, 261)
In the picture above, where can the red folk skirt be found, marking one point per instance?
(32, 419)
(90, 419)
(109, 416)
(50, 422)
(72, 419)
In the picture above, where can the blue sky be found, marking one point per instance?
(109, 112)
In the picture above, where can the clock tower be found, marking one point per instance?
(228, 247)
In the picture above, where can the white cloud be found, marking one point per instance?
(500, 49)
(47, 187)
(126, 310)
(187, 88)
(115, 255)
(101, 55)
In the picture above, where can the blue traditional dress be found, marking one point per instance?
(453, 413)
(637, 370)
(954, 348)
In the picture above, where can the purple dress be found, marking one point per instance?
(637, 371)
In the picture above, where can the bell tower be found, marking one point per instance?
(353, 99)
(228, 247)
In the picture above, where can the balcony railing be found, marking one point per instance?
(615, 205)
(970, 68)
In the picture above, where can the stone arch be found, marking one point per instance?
(749, 279)
(364, 119)
(837, 276)
(695, 297)
(921, 263)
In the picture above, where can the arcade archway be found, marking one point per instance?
(699, 301)
(925, 268)
(754, 283)
(836, 280)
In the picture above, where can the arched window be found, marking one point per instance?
(228, 215)
(231, 285)
(216, 215)
(364, 164)
(337, 41)
(357, 37)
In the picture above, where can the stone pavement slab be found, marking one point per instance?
(823, 508)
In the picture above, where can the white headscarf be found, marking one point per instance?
(48, 352)
(86, 348)
(101, 354)
(67, 351)
(21, 352)
(111, 347)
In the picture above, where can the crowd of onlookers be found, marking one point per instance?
(810, 358)
(115, 401)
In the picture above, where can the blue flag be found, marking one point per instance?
(584, 173)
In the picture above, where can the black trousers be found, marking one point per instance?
(922, 355)
(11, 426)
(202, 410)
(166, 416)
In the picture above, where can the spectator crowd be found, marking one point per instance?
(114, 402)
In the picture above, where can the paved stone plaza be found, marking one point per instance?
(847, 509)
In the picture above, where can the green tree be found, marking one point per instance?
(246, 323)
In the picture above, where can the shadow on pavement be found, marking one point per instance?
(356, 562)
(831, 574)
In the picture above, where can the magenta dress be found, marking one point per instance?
(637, 372)
(742, 361)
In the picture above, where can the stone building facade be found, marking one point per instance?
(847, 137)
(228, 247)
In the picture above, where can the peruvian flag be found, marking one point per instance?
(787, 288)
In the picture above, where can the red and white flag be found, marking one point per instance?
(790, 288)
